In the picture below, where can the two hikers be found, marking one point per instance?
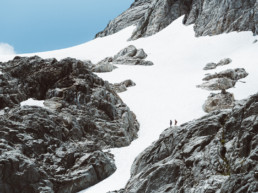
(171, 123)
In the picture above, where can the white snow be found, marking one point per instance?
(33, 102)
(166, 90)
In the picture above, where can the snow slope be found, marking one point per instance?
(166, 90)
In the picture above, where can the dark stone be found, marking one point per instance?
(58, 148)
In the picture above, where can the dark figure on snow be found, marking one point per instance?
(171, 123)
(175, 122)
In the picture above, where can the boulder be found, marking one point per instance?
(233, 74)
(218, 84)
(128, 56)
(122, 87)
(218, 101)
(222, 62)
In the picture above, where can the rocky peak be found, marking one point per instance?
(210, 17)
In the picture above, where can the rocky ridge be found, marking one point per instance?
(58, 148)
(216, 153)
(210, 17)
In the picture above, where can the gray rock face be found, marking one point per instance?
(122, 86)
(233, 74)
(128, 56)
(219, 101)
(219, 16)
(213, 65)
(58, 148)
(218, 84)
(210, 17)
(216, 153)
(131, 56)
(221, 81)
(127, 18)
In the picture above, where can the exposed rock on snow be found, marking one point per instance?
(219, 101)
(218, 84)
(121, 87)
(104, 65)
(129, 56)
(221, 81)
(188, 158)
(233, 74)
(58, 149)
(210, 17)
(222, 62)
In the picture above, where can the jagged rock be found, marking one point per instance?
(222, 62)
(104, 65)
(209, 17)
(130, 52)
(121, 87)
(186, 158)
(218, 101)
(127, 18)
(233, 74)
(58, 148)
(216, 17)
(218, 84)
(129, 56)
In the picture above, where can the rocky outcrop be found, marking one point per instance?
(233, 74)
(122, 86)
(216, 101)
(216, 153)
(221, 81)
(104, 65)
(131, 56)
(210, 17)
(58, 148)
(213, 65)
(127, 56)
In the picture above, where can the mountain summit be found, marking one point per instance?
(210, 17)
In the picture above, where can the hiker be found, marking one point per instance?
(175, 122)
(171, 123)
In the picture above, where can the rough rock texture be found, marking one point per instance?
(216, 153)
(128, 56)
(218, 101)
(221, 81)
(213, 65)
(218, 84)
(127, 18)
(131, 56)
(209, 17)
(122, 87)
(104, 65)
(58, 148)
(233, 74)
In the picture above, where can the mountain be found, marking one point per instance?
(79, 131)
(210, 17)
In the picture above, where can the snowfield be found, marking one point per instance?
(167, 90)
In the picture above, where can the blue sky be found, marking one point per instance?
(42, 25)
